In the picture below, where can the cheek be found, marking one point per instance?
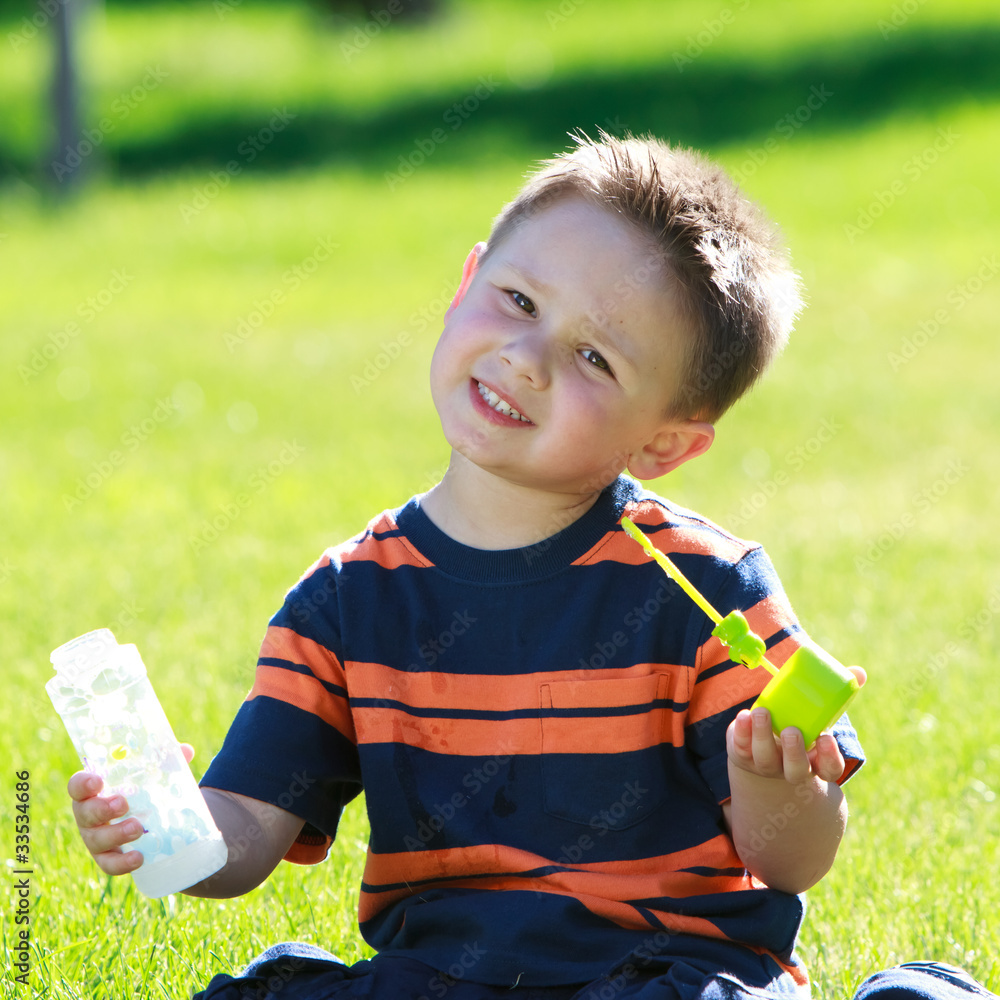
(437, 365)
(585, 406)
(447, 352)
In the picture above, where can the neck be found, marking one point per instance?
(481, 510)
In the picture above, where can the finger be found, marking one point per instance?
(98, 810)
(118, 862)
(100, 840)
(766, 752)
(860, 674)
(741, 735)
(83, 785)
(188, 752)
(738, 738)
(795, 760)
(828, 761)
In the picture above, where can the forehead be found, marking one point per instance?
(586, 250)
(582, 231)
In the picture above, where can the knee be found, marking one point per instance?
(922, 981)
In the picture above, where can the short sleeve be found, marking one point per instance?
(722, 687)
(292, 743)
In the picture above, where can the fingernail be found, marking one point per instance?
(116, 803)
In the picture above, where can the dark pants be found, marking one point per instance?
(303, 972)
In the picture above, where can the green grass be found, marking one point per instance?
(872, 481)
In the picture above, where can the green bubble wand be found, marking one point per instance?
(811, 691)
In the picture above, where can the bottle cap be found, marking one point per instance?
(77, 657)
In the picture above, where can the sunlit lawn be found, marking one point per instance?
(207, 383)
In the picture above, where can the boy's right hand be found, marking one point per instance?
(93, 813)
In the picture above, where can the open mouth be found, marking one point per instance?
(495, 402)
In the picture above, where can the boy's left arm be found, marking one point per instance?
(787, 814)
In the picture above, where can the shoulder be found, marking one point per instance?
(382, 542)
(677, 529)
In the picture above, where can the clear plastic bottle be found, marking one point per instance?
(115, 721)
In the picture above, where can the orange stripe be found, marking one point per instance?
(284, 644)
(623, 914)
(685, 534)
(724, 690)
(428, 689)
(461, 737)
(533, 693)
(640, 879)
(391, 553)
(616, 547)
(628, 917)
(731, 687)
(600, 887)
(770, 615)
(678, 538)
(306, 692)
(612, 734)
(767, 616)
(422, 866)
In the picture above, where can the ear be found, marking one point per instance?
(672, 446)
(468, 273)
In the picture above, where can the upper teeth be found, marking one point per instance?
(500, 405)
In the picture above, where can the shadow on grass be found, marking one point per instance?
(705, 103)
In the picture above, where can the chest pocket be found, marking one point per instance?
(602, 755)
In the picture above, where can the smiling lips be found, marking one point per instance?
(495, 402)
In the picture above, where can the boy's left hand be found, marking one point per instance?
(753, 747)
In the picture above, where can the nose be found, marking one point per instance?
(527, 353)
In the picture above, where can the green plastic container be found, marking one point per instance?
(811, 692)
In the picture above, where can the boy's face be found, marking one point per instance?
(557, 364)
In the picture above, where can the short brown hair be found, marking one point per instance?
(737, 285)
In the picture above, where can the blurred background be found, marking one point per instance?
(228, 235)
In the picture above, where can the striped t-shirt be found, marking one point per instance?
(539, 734)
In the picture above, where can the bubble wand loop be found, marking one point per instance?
(811, 691)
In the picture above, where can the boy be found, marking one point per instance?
(567, 792)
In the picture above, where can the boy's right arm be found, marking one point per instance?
(257, 834)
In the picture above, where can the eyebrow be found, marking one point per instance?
(617, 344)
(528, 276)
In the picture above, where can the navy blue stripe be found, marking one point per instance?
(601, 712)
(728, 664)
(380, 535)
(651, 918)
(719, 668)
(539, 872)
(300, 668)
(517, 713)
(714, 872)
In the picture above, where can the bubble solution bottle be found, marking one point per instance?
(115, 721)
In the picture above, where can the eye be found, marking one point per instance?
(592, 357)
(522, 301)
